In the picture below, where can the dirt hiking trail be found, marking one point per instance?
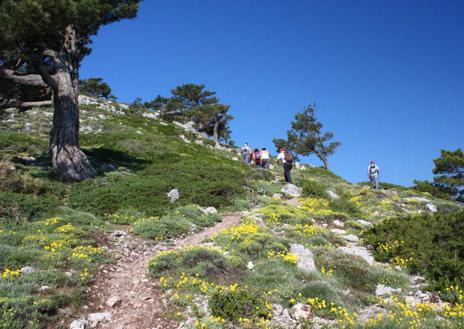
(122, 296)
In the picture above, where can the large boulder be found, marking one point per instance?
(305, 257)
(291, 190)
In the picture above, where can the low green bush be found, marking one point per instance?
(237, 302)
(261, 174)
(198, 181)
(429, 244)
(161, 228)
(203, 262)
(322, 290)
(125, 216)
(312, 188)
(18, 206)
(274, 275)
(344, 205)
(196, 216)
(349, 270)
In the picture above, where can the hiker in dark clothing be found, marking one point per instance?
(287, 160)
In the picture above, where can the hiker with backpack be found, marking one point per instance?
(373, 175)
(264, 158)
(286, 158)
(246, 154)
(257, 157)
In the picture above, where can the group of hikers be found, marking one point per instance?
(261, 159)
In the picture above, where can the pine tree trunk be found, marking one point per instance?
(216, 132)
(69, 162)
(325, 162)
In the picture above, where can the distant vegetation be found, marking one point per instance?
(192, 102)
(449, 176)
(96, 87)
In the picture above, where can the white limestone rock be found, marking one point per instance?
(291, 190)
(382, 290)
(360, 252)
(305, 257)
(173, 195)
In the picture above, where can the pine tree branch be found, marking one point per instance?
(23, 79)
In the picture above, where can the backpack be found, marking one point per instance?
(257, 155)
(288, 157)
(373, 170)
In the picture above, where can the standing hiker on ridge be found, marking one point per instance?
(287, 160)
(373, 175)
(264, 157)
(246, 154)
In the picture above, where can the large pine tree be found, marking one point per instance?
(449, 173)
(306, 137)
(42, 43)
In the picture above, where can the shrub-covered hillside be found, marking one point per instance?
(138, 161)
(323, 254)
(55, 228)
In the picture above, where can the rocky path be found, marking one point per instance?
(123, 296)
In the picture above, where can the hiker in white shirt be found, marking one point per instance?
(281, 156)
(373, 174)
(287, 160)
(264, 157)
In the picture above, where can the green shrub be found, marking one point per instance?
(322, 290)
(393, 279)
(274, 275)
(161, 228)
(196, 216)
(79, 218)
(236, 302)
(125, 216)
(250, 240)
(312, 188)
(199, 182)
(321, 172)
(428, 187)
(344, 205)
(261, 174)
(429, 244)
(17, 206)
(196, 261)
(350, 270)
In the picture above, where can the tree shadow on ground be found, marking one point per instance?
(104, 160)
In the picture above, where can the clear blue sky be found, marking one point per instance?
(387, 76)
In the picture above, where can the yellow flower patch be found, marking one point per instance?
(7, 273)
(316, 206)
(287, 257)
